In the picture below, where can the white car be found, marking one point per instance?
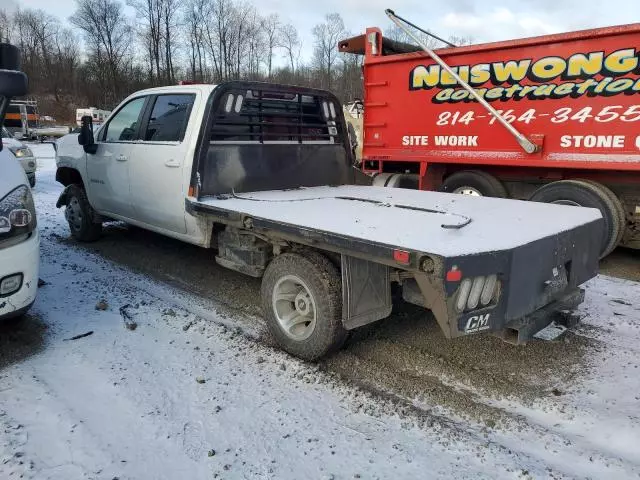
(19, 240)
(22, 153)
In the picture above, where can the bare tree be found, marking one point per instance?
(194, 23)
(169, 12)
(271, 28)
(325, 54)
(246, 25)
(151, 12)
(5, 26)
(292, 45)
(257, 47)
(210, 40)
(108, 35)
(218, 33)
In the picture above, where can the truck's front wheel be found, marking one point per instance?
(302, 302)
(79, 215)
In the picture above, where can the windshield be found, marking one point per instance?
(6, 133)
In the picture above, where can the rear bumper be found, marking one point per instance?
(522, 330)
(534, 281)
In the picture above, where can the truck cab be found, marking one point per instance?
(141, 169)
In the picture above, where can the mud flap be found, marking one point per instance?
(366, 292)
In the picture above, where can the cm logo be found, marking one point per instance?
(477, 323)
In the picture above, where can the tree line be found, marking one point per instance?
(170, 40)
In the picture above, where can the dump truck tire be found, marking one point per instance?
(620, 212)
(474, 182)
(79, 215)
(583, 194)
(302, 303)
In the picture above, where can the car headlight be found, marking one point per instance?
(20, 152)
(17, 213)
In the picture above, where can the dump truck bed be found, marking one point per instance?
(437, 223)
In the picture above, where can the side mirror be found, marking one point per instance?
(85, 138)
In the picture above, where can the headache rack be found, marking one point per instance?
(260, 136)
(265, 116)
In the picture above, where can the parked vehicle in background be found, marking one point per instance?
(572, 98)
(98, 116)
(22, 153)
(49, 132)
(264, 174)
(21, 119)
(19, 237)
(19, 240)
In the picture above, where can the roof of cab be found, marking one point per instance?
(205, 88)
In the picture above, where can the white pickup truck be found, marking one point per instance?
(263, 174)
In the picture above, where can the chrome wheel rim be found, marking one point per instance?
(474, 192)
(73, 212)
(294, 307)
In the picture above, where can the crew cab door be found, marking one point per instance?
(158, 162)
(108, 169)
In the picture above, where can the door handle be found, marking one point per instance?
(121, 158)
(172, 163)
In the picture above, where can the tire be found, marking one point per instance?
(32, 181)
(476, 181)
(312, 279)
(79, 215)
(584, 194)
(621, 215)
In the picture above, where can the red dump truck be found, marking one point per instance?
(574, 98)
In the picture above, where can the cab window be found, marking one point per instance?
(124, 124)
(169, 118)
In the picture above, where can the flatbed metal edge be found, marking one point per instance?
(343, 244)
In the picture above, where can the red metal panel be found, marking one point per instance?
(577, 95)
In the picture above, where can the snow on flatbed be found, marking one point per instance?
(439, 223)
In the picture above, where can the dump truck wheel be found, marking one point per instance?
(302, 303)
(583, 194)
(621, 215)
(474, 182)
(79, 215)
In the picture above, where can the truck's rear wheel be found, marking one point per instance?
(302, 303)
(474, 182)
(584, 194)
(79, 215)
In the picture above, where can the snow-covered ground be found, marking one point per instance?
(195, 393)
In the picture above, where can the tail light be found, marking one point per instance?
(477, 292)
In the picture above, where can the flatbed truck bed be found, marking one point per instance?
(439, 223)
